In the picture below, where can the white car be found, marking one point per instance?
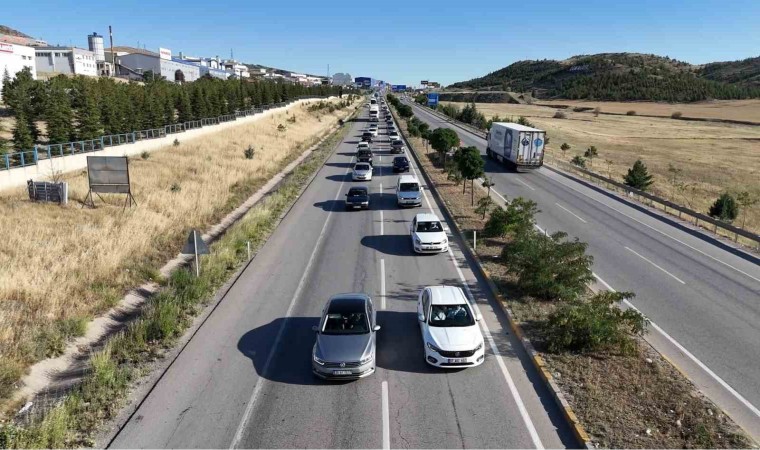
(428, 234)
(394, 136)
(373, 130)
(362, 172)
(450, 333)
(362, 146)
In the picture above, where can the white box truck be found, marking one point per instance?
(516, 145)
(374, 113)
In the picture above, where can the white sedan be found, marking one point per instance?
(450, 333)
(394, 136)
(362, 172)
(428, 235)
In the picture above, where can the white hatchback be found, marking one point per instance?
(428, 234)
(450, 333)
(362, 172)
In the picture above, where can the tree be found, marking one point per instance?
(488, 183)
(88, 114)
(746, 201)
(184, 107)
(58, 115)
(518, 218)
(578, 161)
(442, 140)
(22, 136)
(638, 177)
(591, 153)
(725, 208)
(405, 111)
(564, 147)
(471, 165)
(484, 205)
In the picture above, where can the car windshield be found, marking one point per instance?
(361, 167)
(346, 321)
(450, 316)
(410, 187)
(400, 161)
(397, 143)
(429, 227)
(357, 193)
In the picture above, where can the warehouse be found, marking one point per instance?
(162, 63)
(65, 60)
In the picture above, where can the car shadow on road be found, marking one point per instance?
(291, 362)
(390, 244)
(339, 177)
(343, 165)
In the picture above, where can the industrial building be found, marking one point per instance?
(14, 58)
(65, 60)
(95, 44)
(134, 60)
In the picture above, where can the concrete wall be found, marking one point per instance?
(45, 168)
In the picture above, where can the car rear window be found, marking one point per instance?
(357, 192)
(361, 167)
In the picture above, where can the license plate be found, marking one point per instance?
(341, 372)
(357, 206)
(457, 360)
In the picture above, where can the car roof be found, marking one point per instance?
(408, 179)
(359, 188)
(446, 295)
(400, 158)
(426, 217)
(347, 302)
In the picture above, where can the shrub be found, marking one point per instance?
(518, 218)
(597, 110)
(676, 115)
(484, 205)
(594, 324)
(292, 119)
(249, 152)
(525, 122)
(579, 161)
(176, 142)
(144, 154)
(631, 113)
(281, 127)
(549, 267)
(725, 208)
(560, 115)
(175, 187)
(638, 177)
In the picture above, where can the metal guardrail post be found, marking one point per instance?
(22, 159)
(36, 155)
(7, 162)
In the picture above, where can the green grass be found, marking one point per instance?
(73, 421)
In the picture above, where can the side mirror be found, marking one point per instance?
(478, 317)
(376, 328)
(421, 317)
(315, 328)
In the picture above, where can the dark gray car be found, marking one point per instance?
(345, 347)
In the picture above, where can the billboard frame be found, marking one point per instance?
(108, 175)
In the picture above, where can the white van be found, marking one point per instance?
(408, 191)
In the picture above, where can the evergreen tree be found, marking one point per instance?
(22, 135)
(59, 115)
(638, 177)
(184, 108)
(200, 110)
(88, 114)
(725, 208)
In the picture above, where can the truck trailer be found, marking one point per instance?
(374, 113)
(516, 145)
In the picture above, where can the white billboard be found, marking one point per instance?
(6, 48)
(165, 53)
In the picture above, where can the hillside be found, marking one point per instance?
(624, 76)
(11, 32)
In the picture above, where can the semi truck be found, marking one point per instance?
(516, 145)
(374, 113)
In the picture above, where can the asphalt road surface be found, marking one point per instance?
(702, 293)
(245, 379)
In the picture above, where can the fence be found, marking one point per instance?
(716, 224)
(24, 158)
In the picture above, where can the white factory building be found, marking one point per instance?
(140, 61)
(65, 60)
(14, 58)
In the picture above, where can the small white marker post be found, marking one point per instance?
(474, 240)
(248, 247)
(195, 246)
(195, 249)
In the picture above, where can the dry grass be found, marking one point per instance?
(714, 157)
(616, 397)
(744, 110)
(60, 266)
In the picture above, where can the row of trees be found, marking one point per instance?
(82, 108)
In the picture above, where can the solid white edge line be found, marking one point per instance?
(260, 381)
(526, 184)
(683, 350)
(382, 282)
(386, 417)
(576, 215)
(652, 263)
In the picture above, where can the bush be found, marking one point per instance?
(638, 176)
(631, 113)
(176, 142)
(597, 110)
(525, 122)
(676, 115)
(579, 161)
(292, 119)
(281, 127)
(560, 115)
(594, 324)
(725, 208)
(249, 152)
(175, 187)
(549, 267)
(518, 218)
(144, 154)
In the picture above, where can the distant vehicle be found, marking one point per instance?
(373, 101)
(516, 145)
(373, 130)
(397, 146)
(346, 338)
(374, 114)
(408, 191)
(388, 119)
(449, 326)
(362, 146)
(393, 135)
(400, 164)
(428, 235)
(364, 155)
(362, 172)
(367, 136)
(357, 197)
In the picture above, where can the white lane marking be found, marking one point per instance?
(386, 418)
(301, 283)
(683, 350)
(576, 215)
(661, 232)
(382, 283)
(381, 223)
(652, 263)
(510, 383)
(526, 184)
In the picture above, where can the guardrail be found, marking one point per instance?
(25, 158)
(716, 224)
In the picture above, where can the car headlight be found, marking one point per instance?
(479, 347)
(445, 241)
(417, 241)
(318, 360)
(433, 347)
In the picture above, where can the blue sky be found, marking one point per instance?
(404, 41)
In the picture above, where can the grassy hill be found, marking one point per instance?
(624, 76)
(11, 32)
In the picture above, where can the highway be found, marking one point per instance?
(700, 293)
(244, 379)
